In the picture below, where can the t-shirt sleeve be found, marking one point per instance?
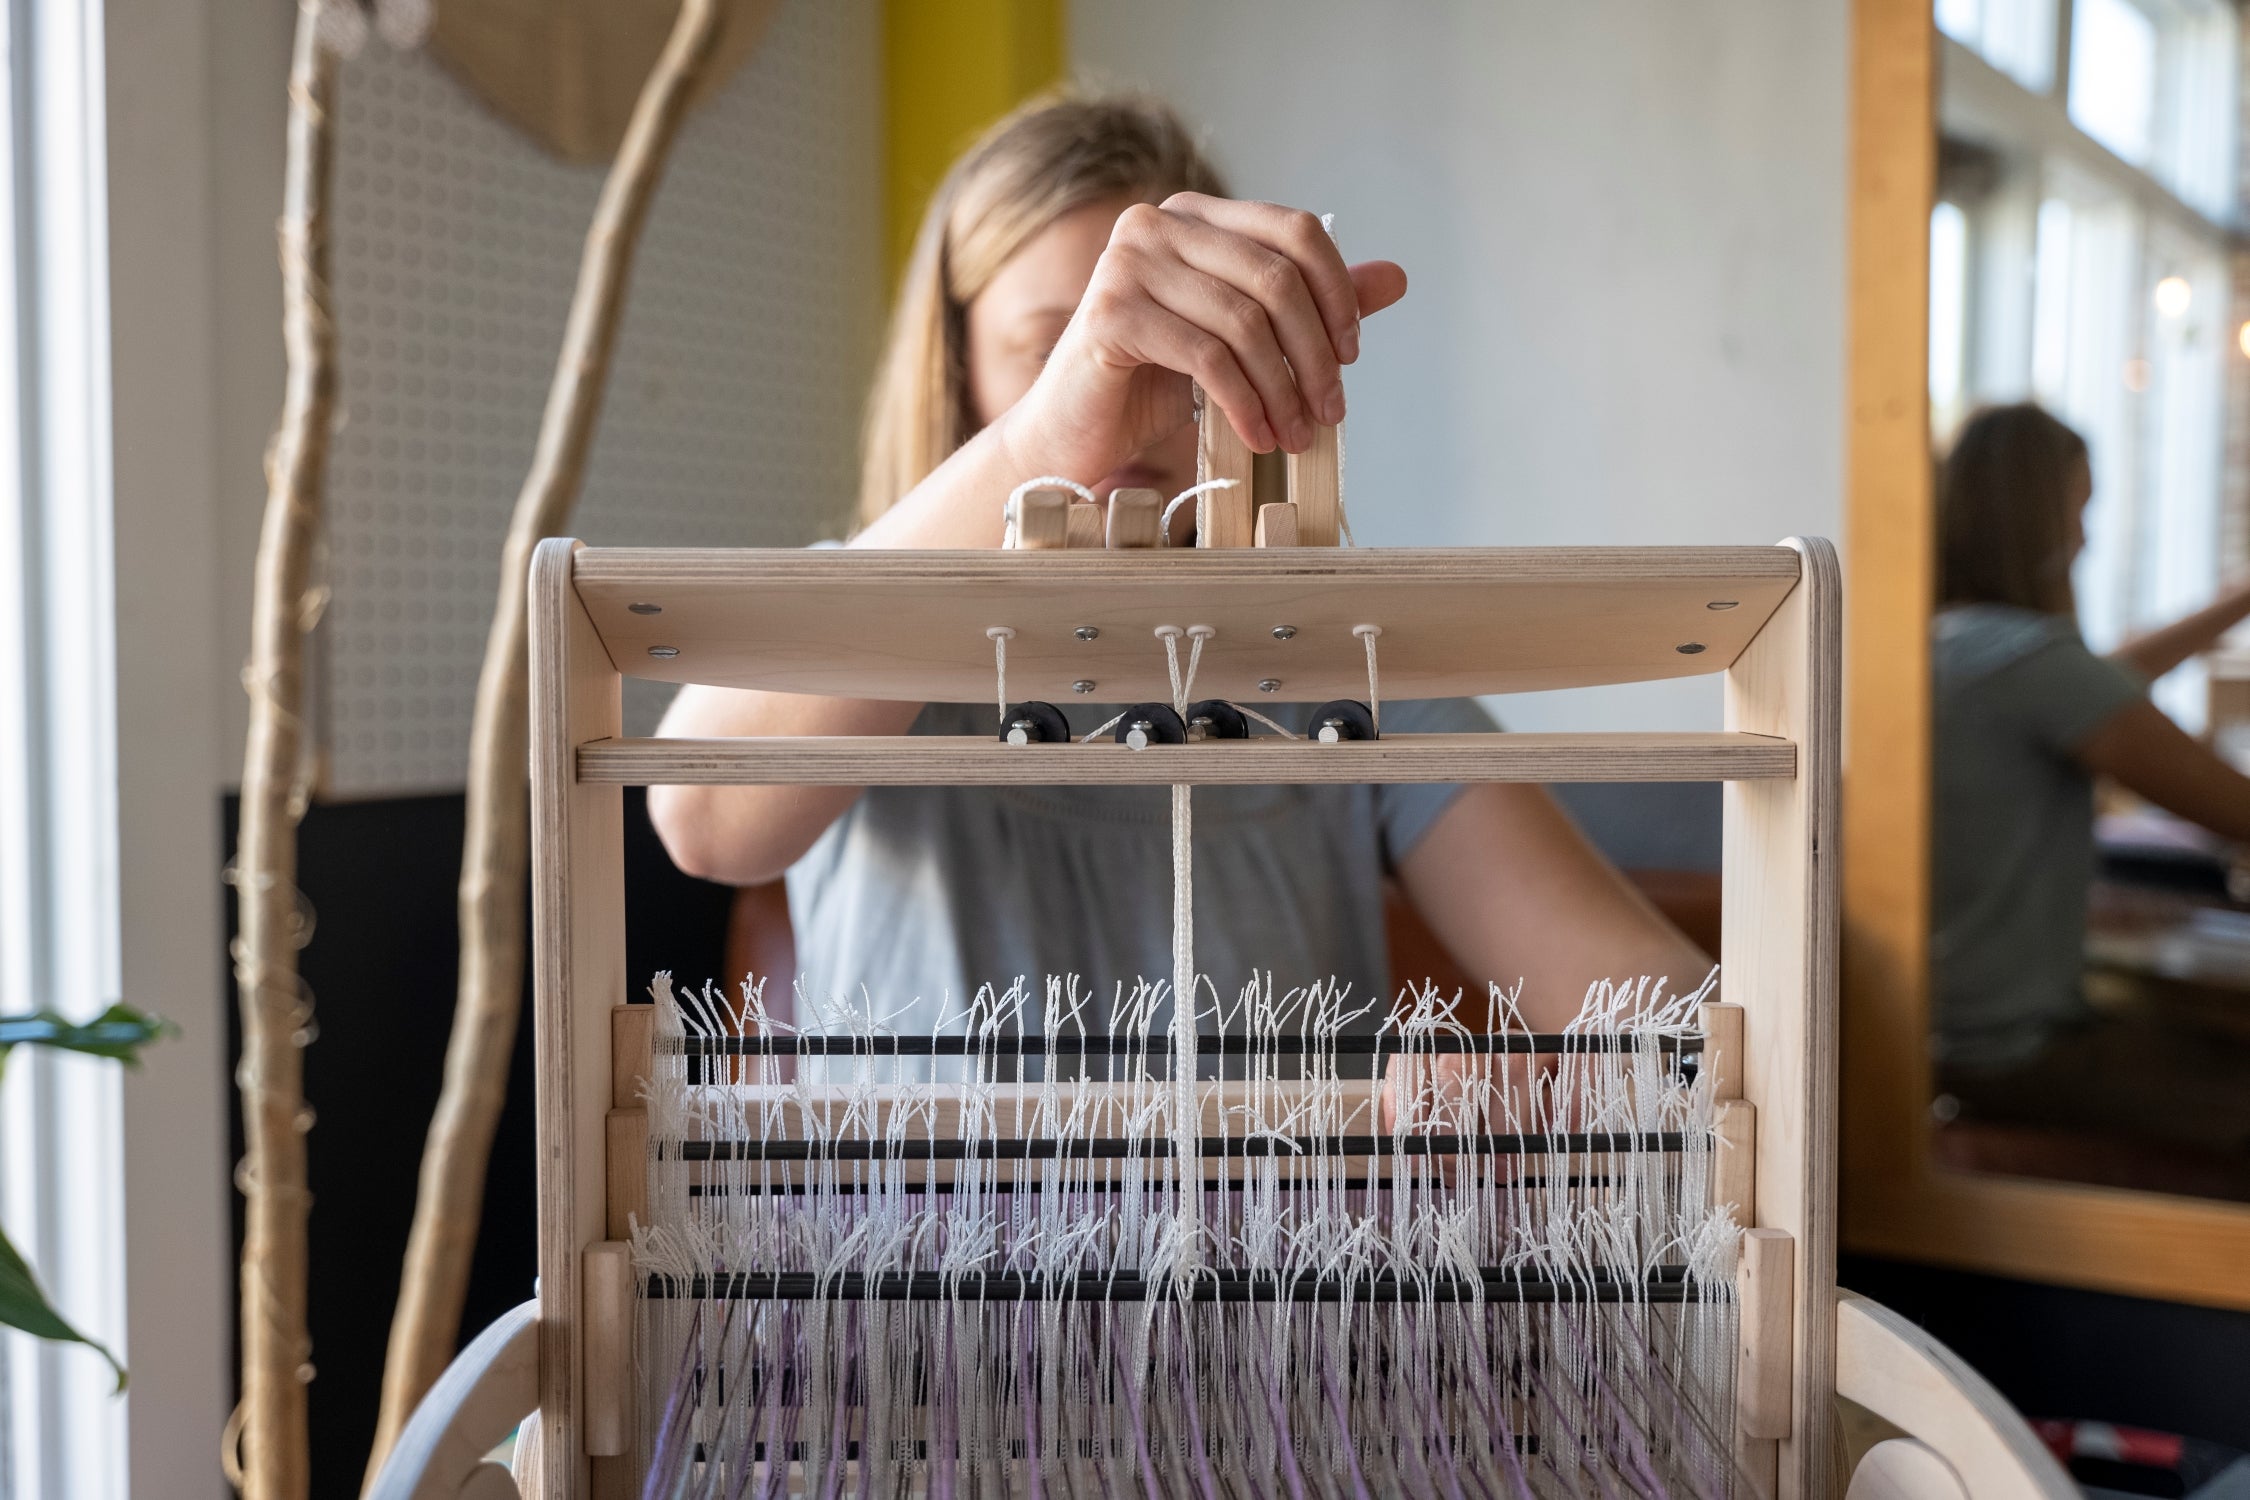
(1404, 813)
(2063, 692)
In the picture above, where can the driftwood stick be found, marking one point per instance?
(494, 856)
(276, 1350)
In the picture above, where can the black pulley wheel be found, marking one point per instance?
(1036, 723)
(1153, 723)
(1344, 719)
(1217, 719)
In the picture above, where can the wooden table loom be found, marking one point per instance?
(913, 625)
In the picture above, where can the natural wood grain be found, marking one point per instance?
(487, 1389)
(1043, 520)
(1778, 958)
(1766, 1283)
(1316, 489)
(1277, 526)
(1890, 531)
(274, 1341)
(578, 970)
(1734, 1174)
(1721, 1025)
(911, 625)
(1901, 1374)
(1903, 1469)
(625, 1171)
(1083, 526)
(1136, 518)
(609, 1348)
(632, 1043)
(972, 760)
(1222, 517)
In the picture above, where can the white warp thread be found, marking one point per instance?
(1001, 635)
(1367, 633)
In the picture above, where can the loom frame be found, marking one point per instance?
(1767, 619)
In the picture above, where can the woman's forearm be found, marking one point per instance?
(745, 835)
(2158, 651)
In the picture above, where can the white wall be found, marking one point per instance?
(1623, 222)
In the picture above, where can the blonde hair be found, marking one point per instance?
(1048, 159)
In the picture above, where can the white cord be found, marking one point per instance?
(1011, 523)
(1281, 729)
(1368, 633)
(1000, 635)
(1183, 497)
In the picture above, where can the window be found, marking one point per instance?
(2015, 36)
(2079, 257)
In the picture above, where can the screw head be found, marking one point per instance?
(1722, 604)
(1285, 632)
(1087, 632)
(646, 609)
(1269, 684)
(663, 651)
(1689, 648)
(1083, 685)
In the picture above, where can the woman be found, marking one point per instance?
(1076, 271)
(2026, 718)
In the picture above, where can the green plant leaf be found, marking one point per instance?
(119, 1032)
(23, 1306)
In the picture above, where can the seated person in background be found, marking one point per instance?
(2025, 718)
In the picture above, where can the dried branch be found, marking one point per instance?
(451, 1197)
(276, 1014)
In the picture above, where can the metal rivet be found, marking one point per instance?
(646, 609)
(1285, 632)
(1269, 684)
(1083, 685)
(1019, 733)
(1136, 735)
(1690, 649)
(1722, 604)
(1086, 632)
(664, 651)
(1331, 732)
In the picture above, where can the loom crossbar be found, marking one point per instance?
(812, 1044)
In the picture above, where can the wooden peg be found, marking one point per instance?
(1765, 1288)
(1734, 1160)
(1222, 517)
(1721, 1025)
(632, 1053)
(1083, 526)
(625, 1171)
(606, 1279)
(1136, 518)
(1277, 525)
(1316, 488)
(1043, 519)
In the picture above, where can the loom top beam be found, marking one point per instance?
(912, 625)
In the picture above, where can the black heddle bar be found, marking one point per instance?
(1209, 1148)
(1112, 1044)
(1491, 1284)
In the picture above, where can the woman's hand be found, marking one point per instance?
(1251, 301)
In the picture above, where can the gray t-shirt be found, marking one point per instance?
(920, 893)
(2015, 693)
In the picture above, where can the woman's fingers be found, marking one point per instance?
(1379, 283)
(1276, 284)
(1298, 236)
(1162, 337)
